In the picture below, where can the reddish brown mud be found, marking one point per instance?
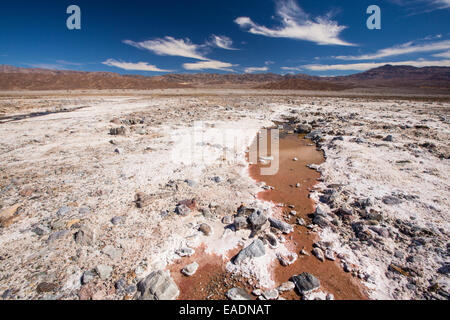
(333, 279)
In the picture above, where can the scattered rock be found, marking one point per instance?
(287, 286)
(190, 270)
(240, 223)
(257, 292)
(117, 131)
(390, 200)
(227, 220)
(272, 240)
(306, 283)
(104, 271)
(85, 236)
(389, 138)
(287, 259)
(257, 219)
(45, 287)
(256, 249)
(182, 210)
(281, 225)
(112, 252)
(205, 228)
(217, 179)
(191, 183)
(238, 294)
(142, 200)
(9, 215)
(321, 221)
(159, 285)
(118, 220)
(88, 276)
(303, 252)
(58, 235)
(63, 211)
(330, 255)
(318, 253)
(185, 252)
(303, 128)
(271, 294)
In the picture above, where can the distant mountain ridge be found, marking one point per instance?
(16, 78)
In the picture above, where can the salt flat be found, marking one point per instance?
(71, 179)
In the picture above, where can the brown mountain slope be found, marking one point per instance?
(66, 80)
(301, 84)
(14, 78)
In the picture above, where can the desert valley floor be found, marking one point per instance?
(149, 195)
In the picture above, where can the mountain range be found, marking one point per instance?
(388, 76)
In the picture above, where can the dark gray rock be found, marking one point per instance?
(314, 135)
(321, 221)
(318, 253)
(118, 220)
(257, 219)
(390, 200)
(217, 179)
(303, 128)
(240, 223)
(256, 249)
(306, 283)
(284, 227)
(159, 285)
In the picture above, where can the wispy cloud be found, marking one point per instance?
(209, 65)
(415, 7)
(222, 42)
(297, 24)
(170, 46)
(50, 66)
(406, 48)
(139, 66)
(442, 55)
(370, 65)
(256, 69)
(291, 68)
(70, 63)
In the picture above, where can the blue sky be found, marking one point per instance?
(327, 37)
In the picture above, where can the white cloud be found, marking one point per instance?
(291, 68)
(296, 24)
(371, 65)
(139, 66)
(256, 69)
(50, 66)
(222, 42)
(170, 46)
(422, 6)
(210, 64)
(402, 49)
(442, 55)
